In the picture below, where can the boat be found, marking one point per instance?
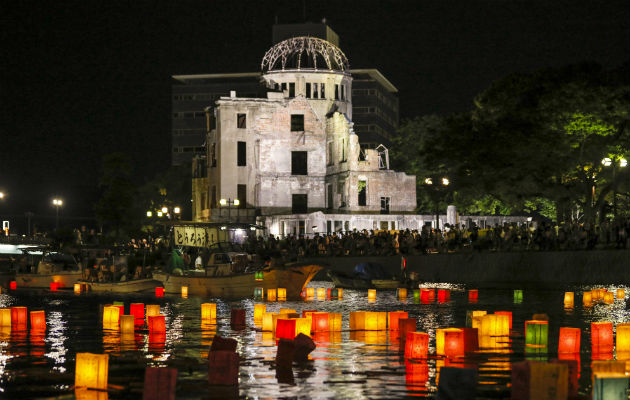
(223, 276)
(369, 276)
(54, 266)
(130, 286)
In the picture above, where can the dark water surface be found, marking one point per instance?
(345, 365)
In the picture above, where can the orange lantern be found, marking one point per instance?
(309, 292)
(454, 343)
(19, 316)
(568, 299)
(159, 291)
(601, 337)
(401, 293)
(372, 294)
(621, 294)
(609, 298)
(271, 294)
(393, 317)
(208, 311)
(623, 339)
(77, 288)
(321, 293)
(267, 322)
(587, 298)
(506, 313)
(320, 322)
(334, 322)
(285, 328)
(282, 294)
(127, 324)
(440, 338)
(157, 324)
(473, 295)
(91, 371)
(38, 320)
(5, 317)
(303, 325)
(184, 291)
(569, 341)
(137, 310)
(416, 345)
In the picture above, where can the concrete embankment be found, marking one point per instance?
(541, 269)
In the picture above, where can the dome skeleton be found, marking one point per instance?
(314, 48)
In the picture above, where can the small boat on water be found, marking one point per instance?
(369, 276)
(222, 277)
(130, 286)
(54, 266)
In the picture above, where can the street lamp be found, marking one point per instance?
(229, 203)
(57, 203)
(607, 162)
(435, 189)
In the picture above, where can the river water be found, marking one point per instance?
(344, 365)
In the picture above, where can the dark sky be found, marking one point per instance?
(82, 79)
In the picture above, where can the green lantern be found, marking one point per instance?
(536, 333)
(518, 296)
(258, 293)
(258, 275)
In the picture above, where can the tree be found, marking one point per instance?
(115, 208)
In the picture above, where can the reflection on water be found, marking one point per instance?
(357, 364)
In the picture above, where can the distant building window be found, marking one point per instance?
(342, 151)
(362, 191)
(330, 153)
(343, 92)
(385, 205)
(315, 91)
(308, 90)
(299, 163)
(299, 204)
(322, 90)
(241, 193)
(241, 159)
(371, 92)
(297, 122)
(241, 121)
(336, 92)
(292, 89)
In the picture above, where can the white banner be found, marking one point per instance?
(199, 236)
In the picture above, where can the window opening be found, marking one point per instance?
(241, 121)
(362, 193)
(385, 205)
(292, 89)
(241, 193)
(299, 163)
(299, 203)
(241, 154)
(308, 90)
(297, 122)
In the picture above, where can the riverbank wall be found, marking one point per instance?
(527, 269)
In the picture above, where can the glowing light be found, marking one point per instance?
(91, 370)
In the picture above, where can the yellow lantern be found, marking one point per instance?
(208, 311)
(127, 324)
(372, 294)
(184, 291)
(609, 298)
(371, 321)
(568, 299)
(587, 298)
(334, 322)
(491, 328)
(471, 314)
(440, 335)
(623, 338)
(401, 293)
(321, 293)
(310, 292)
(152, 310)
(259, 310)
(267, 321)
(5, 317)
(340, 293)
(621, 294)
(77, 288)
(91, 371)
(271, 294)
(282, 294)
(110, 316)
(302, 325)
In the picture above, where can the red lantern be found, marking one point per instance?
(19, 316)
(444, 295)
(508, 313)
(137, 310)
(425, 295)
(38, 320)
(602, 337)
(471, 340)
(320, 322)
(406, 325)
(416, 345)
(159, 291)
(157, 324)
(285, 329)
(454, 343)
(53, 286)
(473, 295)
(13, 285)
(393, 317)
(569, 341)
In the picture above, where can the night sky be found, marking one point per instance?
(82, 79)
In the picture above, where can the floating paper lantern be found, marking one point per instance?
(91, 371)
(372, 294)
(339, 293)
(610, 386)
(38, 320)
(506, 313)
(127, 324)
(77, 288)
(336, 293)
(258, 276)
(334, 322)
(601, 337)
(536, 333)
(440, 339)
(609, 298)
(416, 345)
(401, 293)
(393, 317)
(518, 296)
(623, 338)
(470, 314)
(416, 295)
(271, 294)
(368, 320)
(443, 295)
(587, 298)
(454, 343)
(111, 315)
(491, 326)
(371, 321)
(259, 310)
(53, 286)
(320, 322)
(321, 293)
(621, 294)
(137, 310)
(285, 328)
(569, 340)
(208, 311)
(184, 291)
(303, 325)
(159, 291)
(568, 299)
(309, 292)
(5, 317)
(152, 310)
(425, 295)
(267, 321)
(282, 294)
(259, 293)
(473, 295)
(13, 285)
(157, 324)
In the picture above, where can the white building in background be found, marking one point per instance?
(291, 161)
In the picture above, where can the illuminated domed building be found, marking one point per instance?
(292, 159)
